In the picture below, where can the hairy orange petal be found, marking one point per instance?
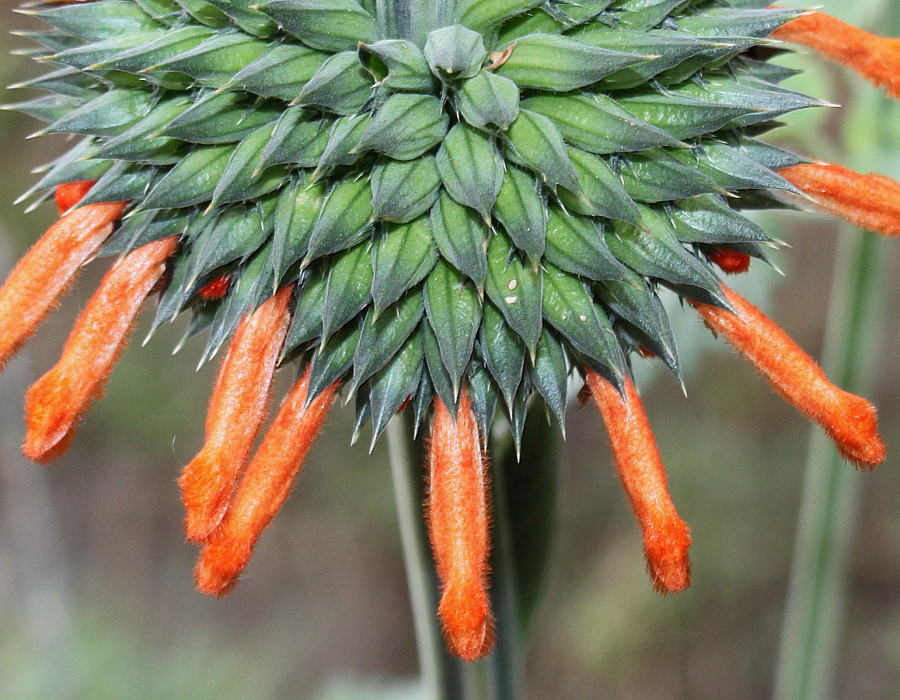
(264, 488)
(458, 528)
(57, 400)
(666, 536)
(41, 277)
(69, 194)
(870, 201)
(731, 262)
(848, 419)
(217, 288)
(874, 57)
(237, 409)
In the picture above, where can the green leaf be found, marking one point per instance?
(192, 181)
(149, 53)
(455, 53)
(503, 352)
(343, 147)
(384, 334)
(140, 143)
(394, 384)
(707, 219)
(635, 302)
(454, 312)
(570, 308)
(403, 191)
(576, 244)
(347, 292)
(731, 169)
(215, 61)
(83, 56)
(484, 396)
(96, 22)
(298, 138)
(482, 14)
(550, 375)
(471, 168)
(655, 252)
(602, 192)
(559, 63)
(536, 143)
(242, 177)
(461, 237)
(280, 72)
(598, 124)
(328, 25)
(397, 64)
(341, 85)
(121, 183)
(406, 126)
(402, 257)
(488, 98)
(683, 116)
(656, 176)
(333, 360)
(243, 15)
(516, 289)
(299, 206)
(220, 118)
(107, 115)
(344, 219)
(306, 324)
(522, 209)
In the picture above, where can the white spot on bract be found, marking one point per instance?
(511, 299)
(582, 318)
(513, 283)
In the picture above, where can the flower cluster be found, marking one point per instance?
(441, 217)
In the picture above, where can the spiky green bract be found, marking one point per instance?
(496, 204)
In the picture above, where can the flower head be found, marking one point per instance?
(441, 209)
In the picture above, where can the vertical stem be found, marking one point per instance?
(440, 672)
(828, 514)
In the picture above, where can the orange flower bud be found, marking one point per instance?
(45, 272)
(848, 419)
(264, 488)
(57, 400)
(217, 288)
(873, 57)
(69, 194)
(870, 201)
(731, 262)
(666, 536)
(458, 529)
(237, 408)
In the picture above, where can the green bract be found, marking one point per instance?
(489, 192)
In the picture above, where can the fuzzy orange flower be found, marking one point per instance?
(237, 409)
(848, 419)
(458, 527)
(57, 400)
(264, 487)
(640, 468)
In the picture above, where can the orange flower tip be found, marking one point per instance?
(217, 570)
(45, 453)
(667, 558)
(731, 262)
(856, 436)
(216, 289)
(642, 351)
(70, 193)
(467, 621)
(205, 498)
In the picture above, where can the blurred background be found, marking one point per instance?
(96, 596)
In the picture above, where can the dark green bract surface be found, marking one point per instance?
(497, 205)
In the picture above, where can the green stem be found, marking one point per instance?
(828, 514)
(441, 676)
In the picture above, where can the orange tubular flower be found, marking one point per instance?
(54, 403)
(848, 419)
(264, 487)
(874, 57)
(68, 195)
(869, 201)
(236, 411)
(43, 275)
(458, 528)
(666, 536)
